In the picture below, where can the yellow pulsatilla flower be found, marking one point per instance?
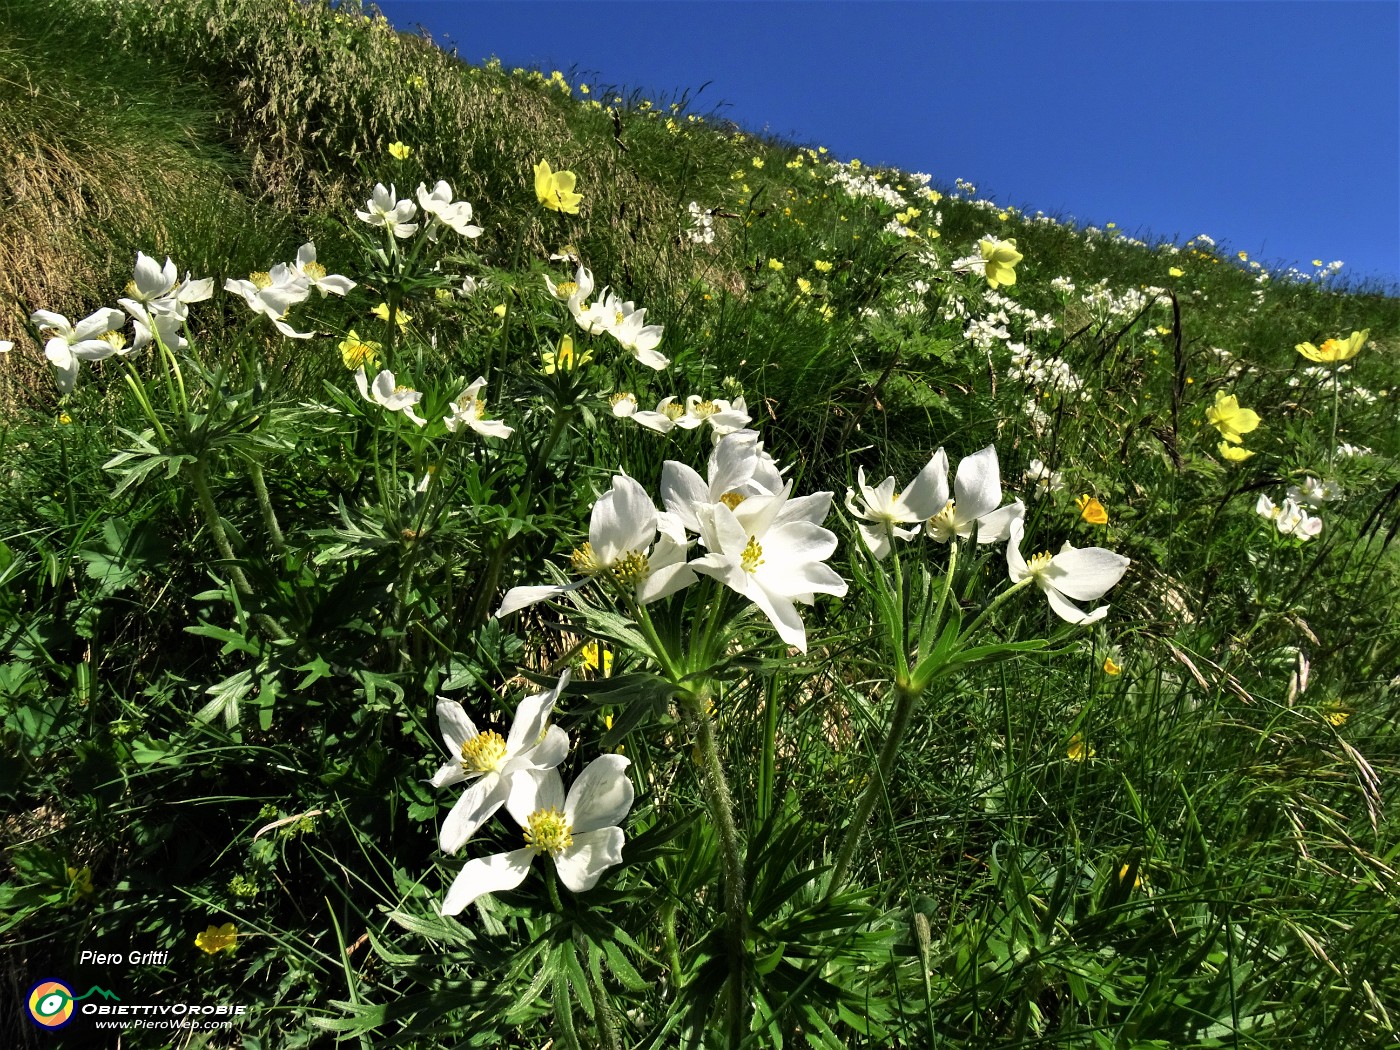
(359, 353)
(597, 658)
(80, 879)
(217, 938)
(1109, 667)
(1230, 419)
(399, 151)
(564, 359)
(1078, 750)
(822, 266)
(1233, 454)
(65, 418)
(401, 316)
(1335, 714)
(1123, 874)
(1176, 271)
(804, 286)
(555, 189)
(775, 264)
(1091, 510)
(1001, 257)
(1335, 350)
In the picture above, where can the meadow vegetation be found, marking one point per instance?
(413, 470)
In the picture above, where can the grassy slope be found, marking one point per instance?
(1201, 772)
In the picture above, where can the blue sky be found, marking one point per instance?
(1273, 127)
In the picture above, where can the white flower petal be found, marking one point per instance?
(503, 871)
(476, 806)
(592, 853)
(601, 796)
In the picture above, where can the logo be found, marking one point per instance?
(51, 1002)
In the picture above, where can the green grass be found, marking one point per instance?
(220, 707)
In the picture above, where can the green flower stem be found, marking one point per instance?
(138, 388)
(767, 774)
(1003, 596)
(602, 1011)
(906, 699)
(721, 805)
(673, 951)
(274, 531)
(1336, 397)
(901, 641)
(199, 475)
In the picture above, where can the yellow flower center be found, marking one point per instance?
(632, 567)
(565, 289)
(584, 561)
(705, 409)
(548, 831)
(752, 557)
(261, 279)
(484, 752)
(314, 270)
(619, 399)
(115, 339)
(674, 410)
(1039, 563)
(732, 499)
(941, 526)
(618, 317)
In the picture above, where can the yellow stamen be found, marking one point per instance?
(484, 752)
(732, 499)
(1039, 563)
(752, 557)
(548, 831)
(314, 270)
(631, 568)
(941, 526)
(584, 561)
(674, 410)
(705, 409)
(565, 289)
(261, 279)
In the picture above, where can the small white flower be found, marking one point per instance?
(629, 542)
(629, 328)
(667, 415)
(456, 215)
(772, 552)
(1290, 519)
(886, 510)
(386, 392)
(738, 468)
(624, 405)
(1043, 478)
(499, 767)
(1075, 574)
(385, 209)
(581, 833)
(315, 274)
(6, 346)
(70, 345)
(1314, 492)
(273, 295)
(467, 410)
(976, 502)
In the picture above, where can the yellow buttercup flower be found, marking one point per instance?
(1230, 419)
(359, 353)
(821, 266)
(1078, 750)
(1001, 257)
(401, 316)
(1091, 510)
(775, 264)
(555, 189)
(596, 658)
(81, 878)
(1177, 271)
(217, 938)
(1109, 667)
(1231, 454)
(1335, 350)
(399, 151)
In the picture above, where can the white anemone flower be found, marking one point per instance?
(1043, 478)
(574, 292)
(151, 281)
(737, 469)
(1081, 574)
(1314, 492)
(69, 345)
(976, 502)
(629, 542)
(724, 417)
(468, 409)
(385, 209)
(497, 768)
(664, 418)
(309, 270)
(145, 321)
(772, 552)
(387, 392)
(6, 346)
(456, 215)
(624, 404)
(273, 294)
(1290, 518)
(629, 328)
(886, 510)
(580, 832)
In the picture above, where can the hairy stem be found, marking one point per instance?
(274, 531)
(906, 699)
(735, 901)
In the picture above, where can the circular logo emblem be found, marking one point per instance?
(51, 1004)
